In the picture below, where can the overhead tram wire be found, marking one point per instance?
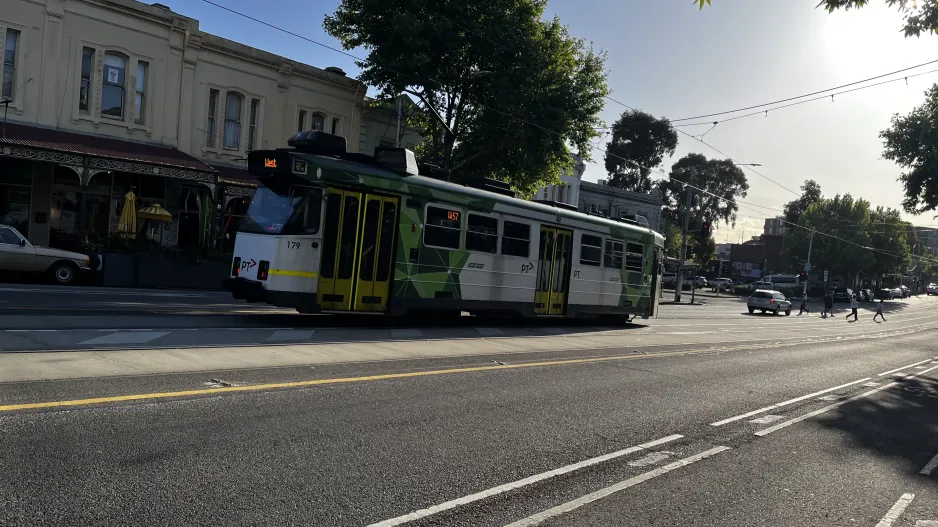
(815, 99)
(805, 95)
(652, 169)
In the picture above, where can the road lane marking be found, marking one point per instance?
(896, 510)
(622, 485)
(766, 419)
(341, 380)
(767, 431)
(650, 459)
(871, 384)
(930, 467)
(902, 368)
(832, 397)
(128, 337)
(785, 403)
(537, 478)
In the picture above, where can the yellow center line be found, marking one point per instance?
(320, 382)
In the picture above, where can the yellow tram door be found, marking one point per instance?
(560, 272)
(339, 249)
(553, 271)
(375, 255)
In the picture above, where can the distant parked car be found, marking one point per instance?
(885, 294)
(18, 255)
(865, 295)
(843, 295)
(931, 289)
(722, 283)
(768, 302)
(699, 281)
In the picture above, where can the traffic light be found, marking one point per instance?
(803, 275)
(705, 229)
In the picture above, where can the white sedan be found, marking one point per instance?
(768, 301)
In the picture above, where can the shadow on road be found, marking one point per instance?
(899, 423)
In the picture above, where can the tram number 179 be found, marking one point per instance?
(293, 245)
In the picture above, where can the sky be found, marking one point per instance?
(672, 60)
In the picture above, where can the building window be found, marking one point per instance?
(335, 125)
(252, 123)
(84, 91)
(591, 250)
(443, 228)
(210, 125)
(301, 121)
(516, 239)
(139, 115)
(482, 234)
(233, 120)
(319, 122)
(9, 63)
(112, 86)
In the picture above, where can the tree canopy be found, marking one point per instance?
(722, 179)
(920, 16)
(639, 143)
(842, 236)
(515, 91)
(810, 194)
(912, 142)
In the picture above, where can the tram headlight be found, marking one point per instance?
(236, 266)
(263, 267)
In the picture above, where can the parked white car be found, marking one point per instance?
(768, 301)
(18, 255)
(931, 289)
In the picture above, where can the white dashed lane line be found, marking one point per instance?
(896, 511)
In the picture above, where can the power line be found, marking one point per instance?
(823, 97)
(652, 169)
(805, 95)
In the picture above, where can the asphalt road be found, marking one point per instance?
(705, 416)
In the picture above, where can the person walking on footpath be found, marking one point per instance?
(879, 311)
(828, 305)
(853, 308)
(804, 306)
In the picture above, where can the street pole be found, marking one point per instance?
(680, 271)
(804, 291)
(397, 138)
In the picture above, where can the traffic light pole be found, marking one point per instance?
(804, 290)
(680, 271)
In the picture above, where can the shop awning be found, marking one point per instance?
(235, 176)
(101, 153)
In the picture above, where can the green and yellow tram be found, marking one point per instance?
(330, 231)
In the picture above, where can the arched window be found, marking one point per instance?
(319, 122)
(233, 120)
(112, 85)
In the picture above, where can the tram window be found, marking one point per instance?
(516, 240)
(634, 257)
(613, 256)
(591, 250)
(443, 228)
(313, 211)
(482, 234)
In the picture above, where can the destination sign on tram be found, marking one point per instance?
(268, 161)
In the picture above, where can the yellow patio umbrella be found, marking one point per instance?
(156, 213)
(127, 226)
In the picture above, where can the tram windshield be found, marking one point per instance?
(284, 208)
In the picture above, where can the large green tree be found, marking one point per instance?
(841, 237)
(721, 183)
(810, 194)
(888, 236)
(639, 143)
(912, 142)
(920, 16)
(721, 180)
(514, 92)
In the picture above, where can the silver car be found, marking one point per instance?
(18, 255)
(768, 301)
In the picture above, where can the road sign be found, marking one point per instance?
(807, 266)
(825, 276)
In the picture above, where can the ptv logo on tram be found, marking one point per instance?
(245, 265)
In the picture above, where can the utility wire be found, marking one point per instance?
(805, 95)
(652, 169)
(823, 97)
